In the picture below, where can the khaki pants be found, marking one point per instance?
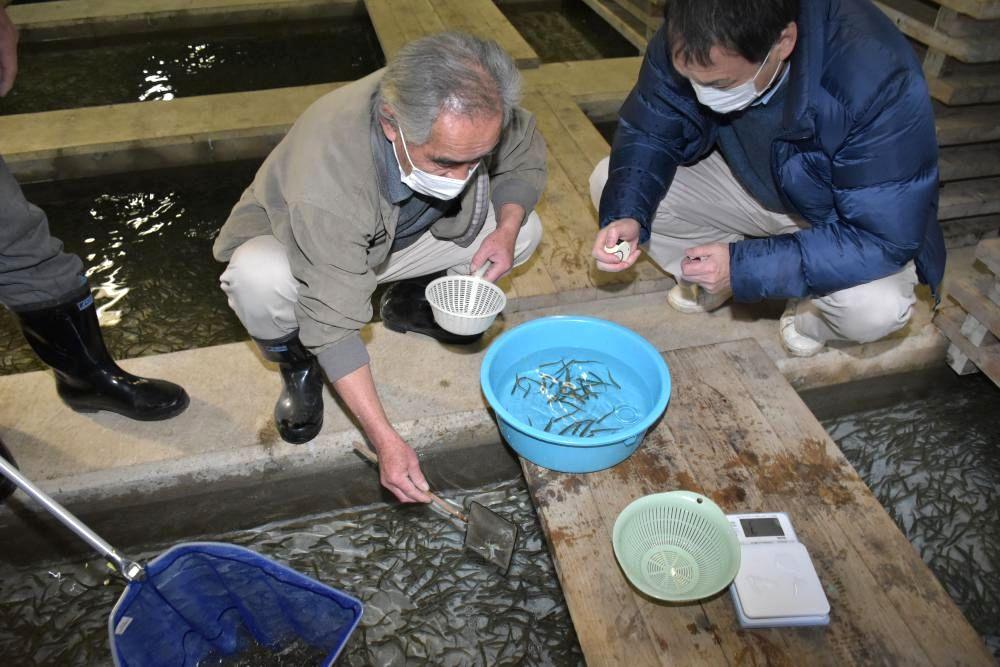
(706, 204)
(262, 291)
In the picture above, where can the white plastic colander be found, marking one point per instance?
(465, 305)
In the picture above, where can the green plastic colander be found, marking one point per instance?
(676, 546)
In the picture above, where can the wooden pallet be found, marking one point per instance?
(973, 326)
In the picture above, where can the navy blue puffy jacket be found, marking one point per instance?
(857, 157)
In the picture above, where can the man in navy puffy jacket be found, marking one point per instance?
(779, 149)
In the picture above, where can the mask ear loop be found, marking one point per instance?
(761, 69)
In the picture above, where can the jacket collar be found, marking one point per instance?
(806, 70)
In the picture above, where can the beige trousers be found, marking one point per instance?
(706, 204)
(262, 290)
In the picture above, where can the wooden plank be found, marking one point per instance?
(933, 617)
(565, 247)
(968, 86)
(611, 77)
(962, 25)
(986, 358)
(980, 9)
(971, 161)
(421, 15)
(728, 434)
(503, 31)
(391, 35)
(974, 299)
(577, 226)
(988, 252)
(76, 19)
(579, 158)
(483, 19)
(745, 464)
(621, 21)
(970, 198)
(966, 232)
(909, 16)
(967, 125)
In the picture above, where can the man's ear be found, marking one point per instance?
(387, 127)
(788, 39)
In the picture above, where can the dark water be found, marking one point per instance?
(566, 30)
(162, 66)
(146, 241)
(426, 600)
(928, 445)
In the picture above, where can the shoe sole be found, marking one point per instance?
(156, 417)
(692, 309)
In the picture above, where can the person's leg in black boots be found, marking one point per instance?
(66, 336)
(298, 414)
(45, 288)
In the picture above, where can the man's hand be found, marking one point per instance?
(398, 467)
(498, 246)
(8, 53)
(399, 471)
(626, 229)
(708, 266)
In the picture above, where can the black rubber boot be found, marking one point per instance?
(299, 410)
(6, 486)
(404, 307)
(67, 337)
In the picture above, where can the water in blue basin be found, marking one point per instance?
(575, 392)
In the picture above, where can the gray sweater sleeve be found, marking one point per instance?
(519, 172)
(328, 254)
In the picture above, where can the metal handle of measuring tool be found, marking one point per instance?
(128, 568)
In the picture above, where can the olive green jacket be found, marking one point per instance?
(319, 193)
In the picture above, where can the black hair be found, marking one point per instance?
(747, 27)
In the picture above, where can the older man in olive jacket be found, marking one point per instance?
(426, 166)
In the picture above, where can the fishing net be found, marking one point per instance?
(200, 602)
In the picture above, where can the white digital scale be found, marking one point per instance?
(776, 585)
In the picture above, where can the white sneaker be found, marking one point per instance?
(691, 298)
(795, 343)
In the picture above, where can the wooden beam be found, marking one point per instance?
(74, 19)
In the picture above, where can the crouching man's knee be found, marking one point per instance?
(261, 289)
(873, 318)
(598, 179)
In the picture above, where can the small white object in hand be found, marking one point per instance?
(622, 250)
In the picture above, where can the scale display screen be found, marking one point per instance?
(768, 527)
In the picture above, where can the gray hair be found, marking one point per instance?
(451, 71)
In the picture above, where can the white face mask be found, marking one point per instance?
(736, 98)
(439, 187)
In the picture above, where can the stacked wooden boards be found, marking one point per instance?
(973, 326)
(958, 41)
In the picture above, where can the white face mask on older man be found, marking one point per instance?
(432, 185)
(736, 98)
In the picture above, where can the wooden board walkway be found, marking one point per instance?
(737, 432)
(400, 21)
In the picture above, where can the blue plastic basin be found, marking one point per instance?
(566, 453)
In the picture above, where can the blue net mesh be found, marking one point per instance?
(204, 600)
